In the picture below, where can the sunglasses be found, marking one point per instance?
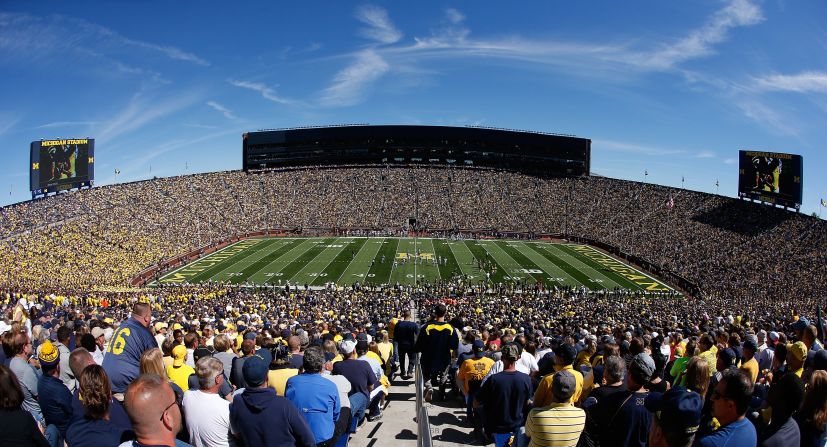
(174, 402)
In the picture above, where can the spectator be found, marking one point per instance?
(248, 347)
(749, 364)
(470, 376)
(64, 335)
(54, 398)
(404, 335)
(154, 411)
(812, 418)
(280, 369)
(621, 419)
(676, 416)
(559, 424)
(94, 428)
(294, 345)
(316, 398)
(180, 372)
(504, 397)
(796, 354)
(564, 360)
(123, 359)
(435, 342)
(224, 353)
(360, 375)
(343, 388)
(614, 371)
(18, 427)
(262, 418)
(377, 395)
(207, 415)
(785, 398)
(98, 353)
(730, 400)
(152, 363)
(27, 375)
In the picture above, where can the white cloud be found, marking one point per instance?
(8, 125)
(767, 116)
(351, 84)
(66, 124)
(705, 154)
(265, 91)
(805, 82)
(379, 27)
(170, 51)
(454, 16)
(621, 146)
(140, 111)
(730, 161)
(225, 111)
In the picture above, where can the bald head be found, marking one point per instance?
(151, 406)
(79, 359)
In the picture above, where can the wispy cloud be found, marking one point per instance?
(140, 111)
(805, 82)
(225, 111)
(66, 124)
(768, 116)
(622, 146)
(454, 16)
(379, 24)
(351, 84)
(730, 161)
(170, 51)
(7, 124)
(705, 154)
(265, 91)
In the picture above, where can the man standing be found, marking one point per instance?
(260, 417)
(730, 400)
(404, 334)
(560, 423)
(504, 396)
(27, 375)
(154, 412)
(316, 398)
(207, 414)
(123, 356)
(621, 418)
(161, 332)
(436, 340)
(470, 375)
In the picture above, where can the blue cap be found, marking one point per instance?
(478, 346)
(567, 353)
(255, 371)
(678, 410)
(250, 336)
(801, 324)
(265, 354)
(727, 356)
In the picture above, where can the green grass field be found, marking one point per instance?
(344, 260)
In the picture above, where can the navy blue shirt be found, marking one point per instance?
(358, 373)
(123, 355)
(504, 396)
(85, 432)
(55, 402)
(734, 434)
(265, 419)
(404, 333)
(117, 413)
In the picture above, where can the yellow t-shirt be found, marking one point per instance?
(180, 375)
(474, 369)
(278, 378)
(543, 395)
(751, 368)
(556, 425)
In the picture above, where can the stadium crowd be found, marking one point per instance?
(598, 360)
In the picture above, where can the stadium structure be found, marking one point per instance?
(406, 182)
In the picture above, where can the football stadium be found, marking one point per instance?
(424, 281)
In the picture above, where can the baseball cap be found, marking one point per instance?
(97, 332)
(727, 356)
(677, 410)
(328, 356)
(179, 353)
(265, 354)
(250, 336)
(643, 365)
(255, 370)
(773, 335)
(750, 344)
(478, 346)
(160, 325)
(49, 355)
(563, 386)
(820, 360)
(798, 349)
(510, 352)
(567, 353)
(347, 347)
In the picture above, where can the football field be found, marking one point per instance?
(316, 261)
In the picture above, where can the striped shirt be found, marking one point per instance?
(556, 425)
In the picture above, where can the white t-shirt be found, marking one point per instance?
(527, 363)
(208, 419)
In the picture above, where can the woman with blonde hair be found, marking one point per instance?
(152, 362)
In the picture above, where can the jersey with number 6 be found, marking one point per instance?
(123, 355)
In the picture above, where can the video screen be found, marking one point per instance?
(771, 177)
(61, 162)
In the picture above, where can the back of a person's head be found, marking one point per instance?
(738, 388)
(785, 396)
(248, 346)
(95, 392)
(152, 362)
(636, 346)
(614, 369)
(222, 343)
(293, 342)
(814, 408)
(207, 369)
(79, 359)
(166, 347)
(144, 399)
(313, 360)
(11, 396)
(440, 310)
(63, 333)
(141, 309)
(191, 340)
(88, 341)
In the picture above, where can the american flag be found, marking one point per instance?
(671, 202)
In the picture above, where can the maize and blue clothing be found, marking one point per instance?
(265, 419)
(123, 355)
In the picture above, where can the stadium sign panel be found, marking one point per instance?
(58, 165)
(770, 177)
(529, 152)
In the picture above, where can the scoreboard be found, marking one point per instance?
(58, 165)
(770, 177)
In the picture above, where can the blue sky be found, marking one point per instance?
(167, 88)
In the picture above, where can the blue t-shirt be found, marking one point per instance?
(358, 373)
(317, 399)
(504, 396)
(86, 432)
(735, 434)
(123, 355)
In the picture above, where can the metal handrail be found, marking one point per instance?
(423, 424)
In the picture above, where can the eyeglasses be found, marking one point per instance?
(716, 395)
(174, 402)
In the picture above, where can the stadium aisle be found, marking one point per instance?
(397, 426)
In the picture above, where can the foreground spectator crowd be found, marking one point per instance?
(211, 366)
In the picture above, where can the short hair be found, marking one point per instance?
(141, 309)
(313, 361)
(738, 388)
(79, 359)
(63, 333)
(88, 342)
(248, 346)
(440, 310)
(293, 342)
(7, 344)
(19, 342)
(190, 340)
(166, 347)
(810, 331)
(11, 396)
(95, 391)
(614, 369)
(207, 369)
(221, 343)
(406, 313)
(706, 339)
(146, 388)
